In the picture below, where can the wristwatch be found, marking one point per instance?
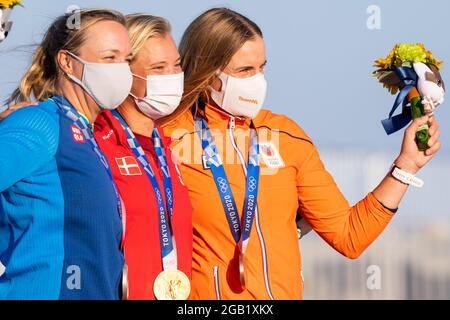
(405, 177)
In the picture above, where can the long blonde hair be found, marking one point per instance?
(143, 27)
(207, 45)
(41, 79)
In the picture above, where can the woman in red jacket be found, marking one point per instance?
(158, 224)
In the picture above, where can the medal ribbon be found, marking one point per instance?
(240, 231)
(167, 240)
(77, 119)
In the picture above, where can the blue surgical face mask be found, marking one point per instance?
(109, 84)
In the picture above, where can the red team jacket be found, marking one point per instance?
(141, 242)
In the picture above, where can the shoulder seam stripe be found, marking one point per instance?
(285, 132)
(277, 130)
(185, 134)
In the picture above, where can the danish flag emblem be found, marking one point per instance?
(77, 134)
(128, 166)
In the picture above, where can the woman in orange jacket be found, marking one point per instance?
(249, 171)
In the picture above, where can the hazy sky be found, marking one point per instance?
(320, 55)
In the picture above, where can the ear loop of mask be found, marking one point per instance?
(146, 87)
(220, 95)
(71, 76)
(78, 81)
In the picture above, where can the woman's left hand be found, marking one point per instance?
(13, 108)
(411, 159)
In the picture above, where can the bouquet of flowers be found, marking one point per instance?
(5, 12)
(413, 72)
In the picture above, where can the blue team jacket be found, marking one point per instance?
(60, 231)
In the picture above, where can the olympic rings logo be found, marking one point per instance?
(252, 184)
(158, 196)
(169, 195)
(223, 186)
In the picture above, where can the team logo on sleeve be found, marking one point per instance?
(270, 155)
(128, 166)
(77, 134)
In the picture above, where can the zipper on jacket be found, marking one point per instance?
(216, 282)
(232, 125)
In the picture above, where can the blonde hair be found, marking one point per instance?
(143, 27)
(207, 45)
(42, 77)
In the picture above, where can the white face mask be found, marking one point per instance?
(242, 97)
(164, 93)
(109, 84)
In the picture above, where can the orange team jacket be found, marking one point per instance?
(293, 178)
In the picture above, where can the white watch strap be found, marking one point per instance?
(407, 177)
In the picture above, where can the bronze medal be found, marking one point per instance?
(242, 273)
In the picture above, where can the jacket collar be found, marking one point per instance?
(219, 118)
(119, 132)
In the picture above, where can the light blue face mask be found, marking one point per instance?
(109, 84)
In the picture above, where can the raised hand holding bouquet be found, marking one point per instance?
(6, 7)
(412, 71)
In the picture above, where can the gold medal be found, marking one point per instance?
(242, 274)
(172, 285)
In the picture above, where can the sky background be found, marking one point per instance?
(320, 56)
